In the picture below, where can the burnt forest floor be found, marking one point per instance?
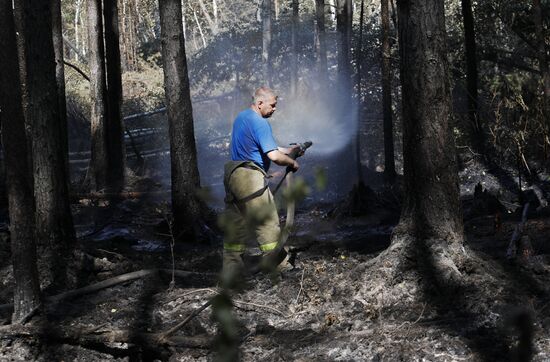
(328, 308)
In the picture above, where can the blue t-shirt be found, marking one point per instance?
(252, 139)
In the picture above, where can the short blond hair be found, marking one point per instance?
(263, 94)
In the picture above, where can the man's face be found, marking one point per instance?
(267, 107)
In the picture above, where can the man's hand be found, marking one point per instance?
(283, 160)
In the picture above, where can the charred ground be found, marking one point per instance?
(340, 302)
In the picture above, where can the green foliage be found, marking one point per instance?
(321, 179)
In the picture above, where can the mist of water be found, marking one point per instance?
(327, 120)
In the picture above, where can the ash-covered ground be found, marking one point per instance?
(336, 304)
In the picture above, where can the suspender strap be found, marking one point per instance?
(230, 167)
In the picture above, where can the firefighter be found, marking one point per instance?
(251, 212)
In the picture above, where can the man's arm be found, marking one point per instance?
(282, 160)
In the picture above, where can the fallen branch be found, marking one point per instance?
(78, 70)
(276, 311)
(108, 283)
(120, 195)
(95, 335)
(165, 336)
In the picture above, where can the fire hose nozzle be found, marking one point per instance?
(300, 150)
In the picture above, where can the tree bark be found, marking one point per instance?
(321, 46)
(26, 294)
(98, 93)
(359, 59)
(389, 158)
(54, 223)
(343, 26)
(78, 5)
(114, 126)
(431, 210)
(60, 75)
(294, 50)
(266, 40)
(186, 207)
(471, 74)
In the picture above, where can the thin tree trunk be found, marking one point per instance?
(125, 42)
(431, 209)
(76, 28)
(294, 50)
(389, 158)
(359, 58)
(200, 28)
(215, 11)
(321, 46)
(26, 294)
(211, 23)
(471, 74)
(98, 94)
(114, 129)
(186, 208)
(54, 223)
(332, 11)
(543, 60)
(184, 25)
(266, 40)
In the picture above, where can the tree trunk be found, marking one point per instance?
(78, 5)
(54, 223)
(114, 126)
(294, 50)
(431, 209)
(266, 40)
(389, 161)
(471, 75)
(211, 23)
(215, 11)
(98, 93)
(60, 75)
(543, 60)
(186, 207)
(343, 26)
(321, 46)
(359, 59)
(26, 294)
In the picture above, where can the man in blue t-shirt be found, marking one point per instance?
(251, 212)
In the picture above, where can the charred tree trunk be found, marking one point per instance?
(186, 207)
(266, 40)
(471, 74)
(341, 29)
(294, 50)
(114, 126)
(60, 74)
(26, 295)
(389, 158)
(99, 164)
(431, 212)
(343, 26)
(54, 225)
(321, 46)
(543, 60)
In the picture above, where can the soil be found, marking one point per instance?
(339, 301)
